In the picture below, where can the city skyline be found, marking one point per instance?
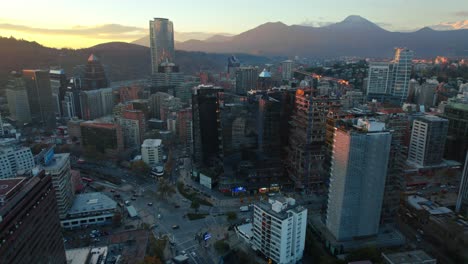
(94, 22)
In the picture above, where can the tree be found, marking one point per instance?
(140, 166)
(231, 216)
(195, 205)
(221, 247)
(165, 189)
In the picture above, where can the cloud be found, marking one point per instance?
(106, 31)
(461, 13)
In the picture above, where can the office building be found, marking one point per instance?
(14, 160)
(462, 200)
(1, 126)
(184, 126)
(246, 79)
(279, 228)
(232, 65)
(68, 105)
(107, 101)
(74, 129)
(58, 167)
(184, 91)
(456, 111)
(29, 224)
(306, 146)
(17, 97)
(94, 75)
(424, 94)
(378, 78)
(90, 209)
(58, 85)
(156, 102)
(167, 77)
(428, 140)
(389, 81)
(359, 163)
(207, 133)
(40, 97)
(161, 42)
(287, 70)
(130, 131)
(151, 151)
(91, 104)
(103, 138)
(402, 65)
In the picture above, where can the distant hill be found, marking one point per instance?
(124, 61)
(354, 36)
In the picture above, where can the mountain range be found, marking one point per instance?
(124, 61)
(354, 36)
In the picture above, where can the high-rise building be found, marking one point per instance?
(14, 160)
(402, 65)
(95, 75)
(232, 65)
(184, 126)
(17, 97)
(378, 78)
(286, 69)
(428, 140)
(1, 126)
(306, 146)
(105, 138)
(207, 134)
(151, 151)
(91, 104)
(161, 42)
(156, 102)
(184, 91)
(29, 224)
(139, 116)
(167, 77)
(246, 79)
(279, 228)
(358, 171)
(390, 81)
(58, 167)
(68, 105)
(40, 96)
(456, 111)
(462, 200)
(58, 85)
(130, 132)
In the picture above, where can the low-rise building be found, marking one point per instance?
(409, 257)
(279, 228)
(90, 209)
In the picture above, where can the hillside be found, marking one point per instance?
(124, 61)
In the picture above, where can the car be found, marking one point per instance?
(133, 199)
(176, 206)
(175, 227)
(112, 190)
(150, 204)
(193, 254)
(127, 202)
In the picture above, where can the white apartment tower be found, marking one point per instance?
(279, 228)
(286, 69)
(428, 140)
(360, 156)
(151, 151)
(59, 169)
(13, 160)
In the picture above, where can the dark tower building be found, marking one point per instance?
(40, 97)
(29, 222)
(233, 65)
(207, 136)
(95, 76)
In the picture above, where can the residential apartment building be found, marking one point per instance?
(151, 151)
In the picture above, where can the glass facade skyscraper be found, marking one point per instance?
(161, 42)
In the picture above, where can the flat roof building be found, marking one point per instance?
(409, 257)
(151, 151)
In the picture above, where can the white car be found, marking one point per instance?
(193, 254)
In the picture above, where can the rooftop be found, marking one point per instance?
(421, 203)
(416, 256)
(431, 118)
(91, 202)
(151, 143)
(77, 255)
(8, 186)
(93, 57)
(279, 206)
(57, 161)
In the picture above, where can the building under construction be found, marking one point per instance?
(306, 147)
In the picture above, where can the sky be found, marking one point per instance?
(83, 23)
